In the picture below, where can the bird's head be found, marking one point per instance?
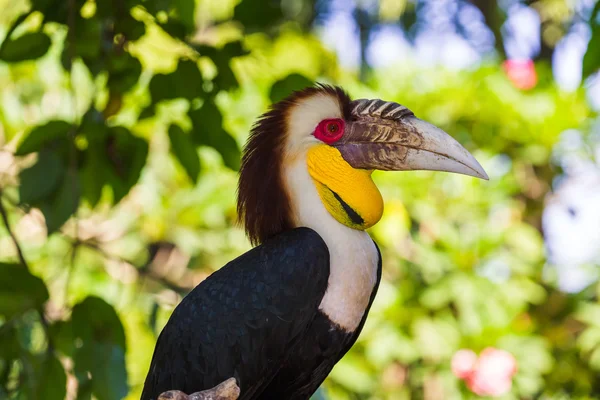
(319, 139)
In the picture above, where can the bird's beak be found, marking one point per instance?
(387, 136)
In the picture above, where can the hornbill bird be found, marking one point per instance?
(279, 317)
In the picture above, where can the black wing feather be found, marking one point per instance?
(243, 319)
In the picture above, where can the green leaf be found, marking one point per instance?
(48, 381)
(94, 162)
(43, 135)
(258, 15)
(595, 16)
(84, 388)
(131, 28)
(61, 333)
(181, 13)
(56, 10)
(225, 79)
(184, 149)
(126, 156)
(9, 344)
(95, 319)
(53, 380)
(591, 59)
(38, 181)
(102, 354)
(92, 176)
(88, 46)
(147, 112)
(30, 46)
(63, 204)
(18, 21)
(284, 87)
(106, 364)
(20, 291)
(208, 130)
(353, 373)
(114, 157)
(185, 11)
(175, 29)
(123, 72)
(186, 81)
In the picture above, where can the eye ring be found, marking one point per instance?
(330, 130)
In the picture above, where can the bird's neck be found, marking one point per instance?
(353, 255)
(349, 194)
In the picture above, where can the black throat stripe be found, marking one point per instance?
(354, 217)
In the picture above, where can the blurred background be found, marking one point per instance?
(121, 124)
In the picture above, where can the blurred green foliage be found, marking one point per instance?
(121, 125)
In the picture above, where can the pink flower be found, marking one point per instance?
(489, 375)
(463, 363)
(521, 73)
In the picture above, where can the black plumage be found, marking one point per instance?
(255, 319)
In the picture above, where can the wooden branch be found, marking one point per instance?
(228, 390)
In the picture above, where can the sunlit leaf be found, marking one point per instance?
(589, 313)
(353, 374)
(595, 359)
(589, 339)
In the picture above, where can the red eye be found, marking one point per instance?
(330, 130)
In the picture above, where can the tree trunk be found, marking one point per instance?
(494, 20)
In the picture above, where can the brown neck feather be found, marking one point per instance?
(263, 203)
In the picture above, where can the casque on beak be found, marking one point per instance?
(387, 136)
